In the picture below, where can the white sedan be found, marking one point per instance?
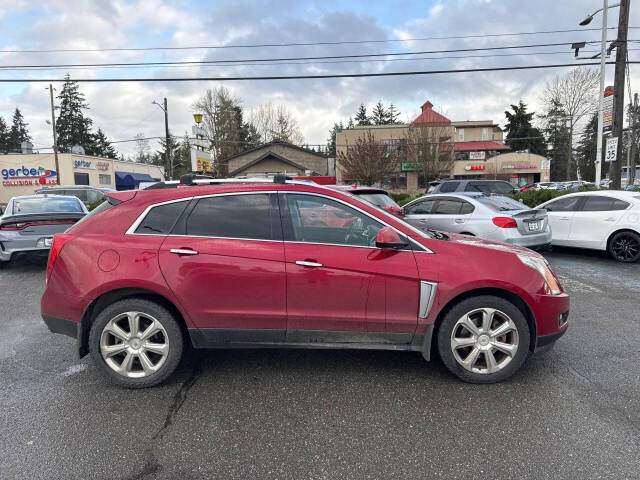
(601, 220)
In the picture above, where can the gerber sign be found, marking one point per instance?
(24, 176)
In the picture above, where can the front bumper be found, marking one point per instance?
(546, 342)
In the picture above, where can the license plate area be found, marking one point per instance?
(533, 226)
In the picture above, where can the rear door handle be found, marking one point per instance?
(564, 218)
(306, 263)
(183, 251)
(610, 219)
(459, 220)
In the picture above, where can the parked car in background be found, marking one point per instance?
(539, 186)
(432, 185)
(605, 183)
(574, 185)
(85, 193)
(632, 188)
(29, 223)
(237, 265)
(498, 187)
(607, 220)
(376, 196)
(494, 217)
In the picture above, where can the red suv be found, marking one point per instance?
(240, 265)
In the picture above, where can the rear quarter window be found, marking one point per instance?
(161, 219)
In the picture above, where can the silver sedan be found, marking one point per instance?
(29, 223)
(493, 217)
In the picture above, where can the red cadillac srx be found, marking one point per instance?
(229, 265)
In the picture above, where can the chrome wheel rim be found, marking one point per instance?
(626, 248)
(484, 341)
(134, 344)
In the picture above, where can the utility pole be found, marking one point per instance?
(633, 148)
(55, 137)
(618, 91)
(603, 60)
(166, 132)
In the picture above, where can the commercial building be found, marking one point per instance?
(478, 151)
(21, 174)
(277, 157)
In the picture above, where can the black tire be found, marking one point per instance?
(445, 331)
(625, 247)
(159, 313)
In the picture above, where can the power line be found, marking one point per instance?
(299, 77)
(284, 59)
(446, 57)
(305, 44)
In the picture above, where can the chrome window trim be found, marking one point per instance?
(427, 295)
(131, 230)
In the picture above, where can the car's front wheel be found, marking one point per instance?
(625, 247)
(483, 339)
(137, 343)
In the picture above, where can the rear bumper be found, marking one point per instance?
(530, 241)
(61, 325)
(10, 246)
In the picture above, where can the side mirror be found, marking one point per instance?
(388, 238)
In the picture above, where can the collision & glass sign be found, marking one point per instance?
(25, 176)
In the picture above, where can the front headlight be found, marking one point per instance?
(542, 267)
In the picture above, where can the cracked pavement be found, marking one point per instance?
(573, 412)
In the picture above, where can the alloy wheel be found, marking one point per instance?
(134, 344)
(484, 340)
(626, 247)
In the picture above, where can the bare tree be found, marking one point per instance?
(276, 124)
(142, 149)
(431, 149)
(223, 125)
(576, 92)
(368, 161)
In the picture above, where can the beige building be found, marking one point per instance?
(479, 151)
(21, 174)
(277, 157)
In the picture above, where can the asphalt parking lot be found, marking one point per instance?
(573, 412)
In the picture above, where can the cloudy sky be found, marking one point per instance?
(124, 109)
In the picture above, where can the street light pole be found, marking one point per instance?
(603, 58)
(618, 91)
(55, 137)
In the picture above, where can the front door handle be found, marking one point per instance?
(183, 251)
(306, 263)
(422, 220)
(564, 218)
(610, 219)
(459, 220)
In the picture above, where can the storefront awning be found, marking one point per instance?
(132, 180)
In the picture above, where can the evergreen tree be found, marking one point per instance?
(18, 133)
(331, 141)
(102, 146)
(559, 141)
(174, 153)
(350, 123)
(361, 118)
(4, 136)
(587, 149)
(182, 164)
(519, 127)
(72, 126)
(393, 114)
(379, 116)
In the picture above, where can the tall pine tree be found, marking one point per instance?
(72, 126)
(4, 136)
(361, 118)
(18, 133)
(586, 150)
(379, 116)
(102, 146)
(521, 134)
(559, 141)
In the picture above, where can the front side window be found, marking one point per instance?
(249, 216)
(161, 219)
(315, 219)
(600, 203)
(420, 208)
(566, 204)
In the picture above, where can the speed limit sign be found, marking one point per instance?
(611, 151)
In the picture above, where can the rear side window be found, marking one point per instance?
(161, 219)
(489, 187)
(567, 204)
(600, 203)
(448, 187)
(235, 216)
(448, 207)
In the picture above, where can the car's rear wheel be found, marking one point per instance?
(483, 339)
(625, 247)
(136, 343)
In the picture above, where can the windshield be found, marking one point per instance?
(500, 203)
(378, 199)
(46, 205)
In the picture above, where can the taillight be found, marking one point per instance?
(59, 239)
(505, 222)
(34, 223)
(13, 226)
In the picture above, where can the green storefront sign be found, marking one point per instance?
(410, 166)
